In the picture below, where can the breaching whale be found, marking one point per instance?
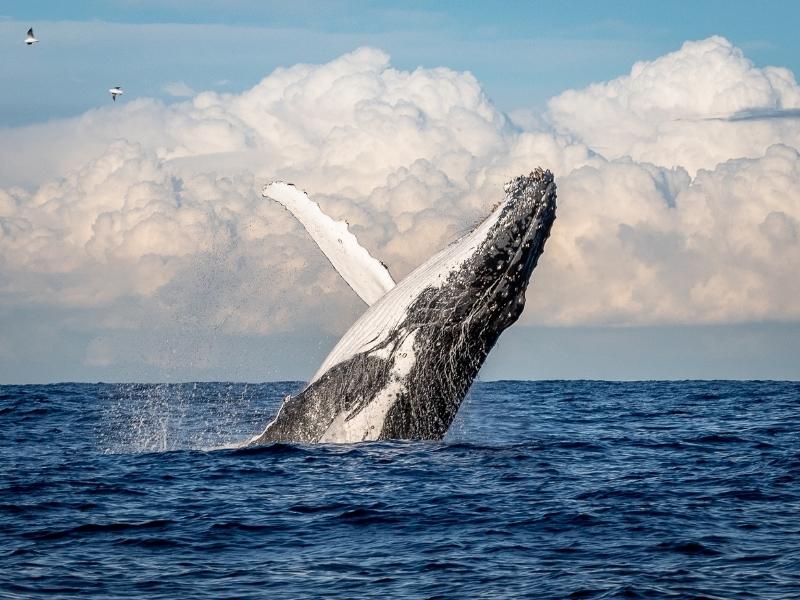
(403, 368)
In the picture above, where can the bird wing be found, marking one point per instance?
(30, 32)
(366, 275)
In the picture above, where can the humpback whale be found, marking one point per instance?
(403, 368)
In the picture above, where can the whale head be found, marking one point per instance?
(488, 290)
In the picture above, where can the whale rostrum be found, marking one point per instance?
(403, 368)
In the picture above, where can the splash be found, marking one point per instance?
(139, 418)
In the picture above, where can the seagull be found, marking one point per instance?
(115, 91)
(30, 39)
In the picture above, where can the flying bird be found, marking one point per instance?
(115, 91)
(30, 39)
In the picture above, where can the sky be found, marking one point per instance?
(522, 52)
(134, 243)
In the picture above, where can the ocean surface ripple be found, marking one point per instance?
(547, 489)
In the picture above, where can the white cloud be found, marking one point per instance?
(649, 245)
(671, 111)
(179, 89)
(148, 216)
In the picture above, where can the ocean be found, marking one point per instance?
(542, 489)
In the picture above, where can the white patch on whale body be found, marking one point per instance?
(360, 426)
(389, 311)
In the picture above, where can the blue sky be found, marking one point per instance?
(522, 52)
(92, 290)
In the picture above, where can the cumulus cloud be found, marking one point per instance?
(179, 89)
(651, 245)
(147, 216)
(677, 109)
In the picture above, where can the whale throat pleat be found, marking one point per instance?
(365, 274)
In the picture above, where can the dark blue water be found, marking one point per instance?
(542, 490)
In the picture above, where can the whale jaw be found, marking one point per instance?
(480, 300)
(403, 369)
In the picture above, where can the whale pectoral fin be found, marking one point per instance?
(366, 275)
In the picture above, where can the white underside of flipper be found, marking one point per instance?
(368, 277)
